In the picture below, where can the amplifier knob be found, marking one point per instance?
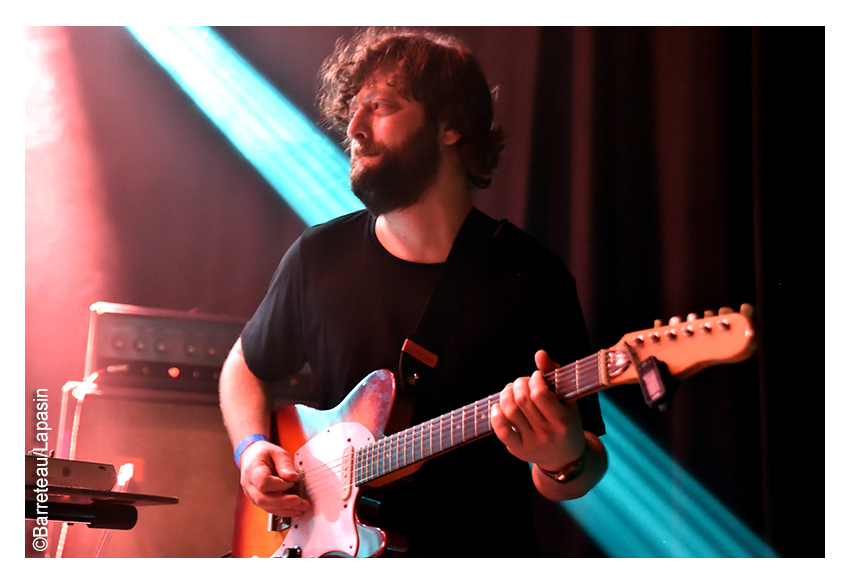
(140, 344)
(118, 343)
(161, 347)
(190, 349)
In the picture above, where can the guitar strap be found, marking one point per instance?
(422, 350)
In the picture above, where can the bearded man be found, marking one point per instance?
(417, 115)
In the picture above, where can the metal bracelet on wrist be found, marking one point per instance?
(571, 471)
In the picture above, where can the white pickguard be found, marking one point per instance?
(329, 527)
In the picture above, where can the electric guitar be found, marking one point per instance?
(338, 451)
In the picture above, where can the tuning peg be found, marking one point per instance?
(709, 313)
(692, 316)
(675, 320)
(725, 310)
(657, 323)
(747, 310)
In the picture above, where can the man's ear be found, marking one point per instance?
(449, 135)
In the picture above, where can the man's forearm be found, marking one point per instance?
(244, 398)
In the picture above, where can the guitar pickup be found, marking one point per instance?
(347, 476)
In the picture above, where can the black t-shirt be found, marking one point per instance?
(340, 302)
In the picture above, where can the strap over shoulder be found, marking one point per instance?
(421, 351)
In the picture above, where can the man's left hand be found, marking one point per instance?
(534, 425)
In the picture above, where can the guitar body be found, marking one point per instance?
(318, 441)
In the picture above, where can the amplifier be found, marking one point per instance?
(175, 354)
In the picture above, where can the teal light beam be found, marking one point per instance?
(309, 171)
(646, 505)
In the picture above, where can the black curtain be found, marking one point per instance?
(679, 170)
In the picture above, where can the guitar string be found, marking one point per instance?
(376, 455)
(374, 460)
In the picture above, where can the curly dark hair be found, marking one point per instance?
(436, 70)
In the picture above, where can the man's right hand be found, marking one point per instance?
(267, 474)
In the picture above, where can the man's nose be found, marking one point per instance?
(358, 127)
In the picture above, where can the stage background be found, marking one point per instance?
(674, 170)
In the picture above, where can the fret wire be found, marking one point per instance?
(463, 435)
(373, 461)
(412, 441)
(575, 374)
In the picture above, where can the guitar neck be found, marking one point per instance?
(685, 347)
(463, 425)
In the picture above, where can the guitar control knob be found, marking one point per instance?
(692, 317)
(293, 552)
(747, 310)
(675, 320)
(657, 323)
(725, 310)
(709, 313)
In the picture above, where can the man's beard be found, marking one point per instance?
(401, 176)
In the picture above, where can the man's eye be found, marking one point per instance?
(382, 106)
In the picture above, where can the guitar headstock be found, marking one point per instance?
(690, 345)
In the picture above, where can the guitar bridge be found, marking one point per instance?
(277, 523)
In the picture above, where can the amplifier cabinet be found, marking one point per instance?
(170, 355)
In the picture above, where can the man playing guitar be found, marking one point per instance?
(418, 120)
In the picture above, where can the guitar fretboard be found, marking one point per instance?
(462, 425)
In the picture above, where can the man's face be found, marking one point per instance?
(395, 153)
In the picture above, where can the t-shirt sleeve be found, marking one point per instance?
(272, 340)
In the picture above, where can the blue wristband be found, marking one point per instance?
(245, 443)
